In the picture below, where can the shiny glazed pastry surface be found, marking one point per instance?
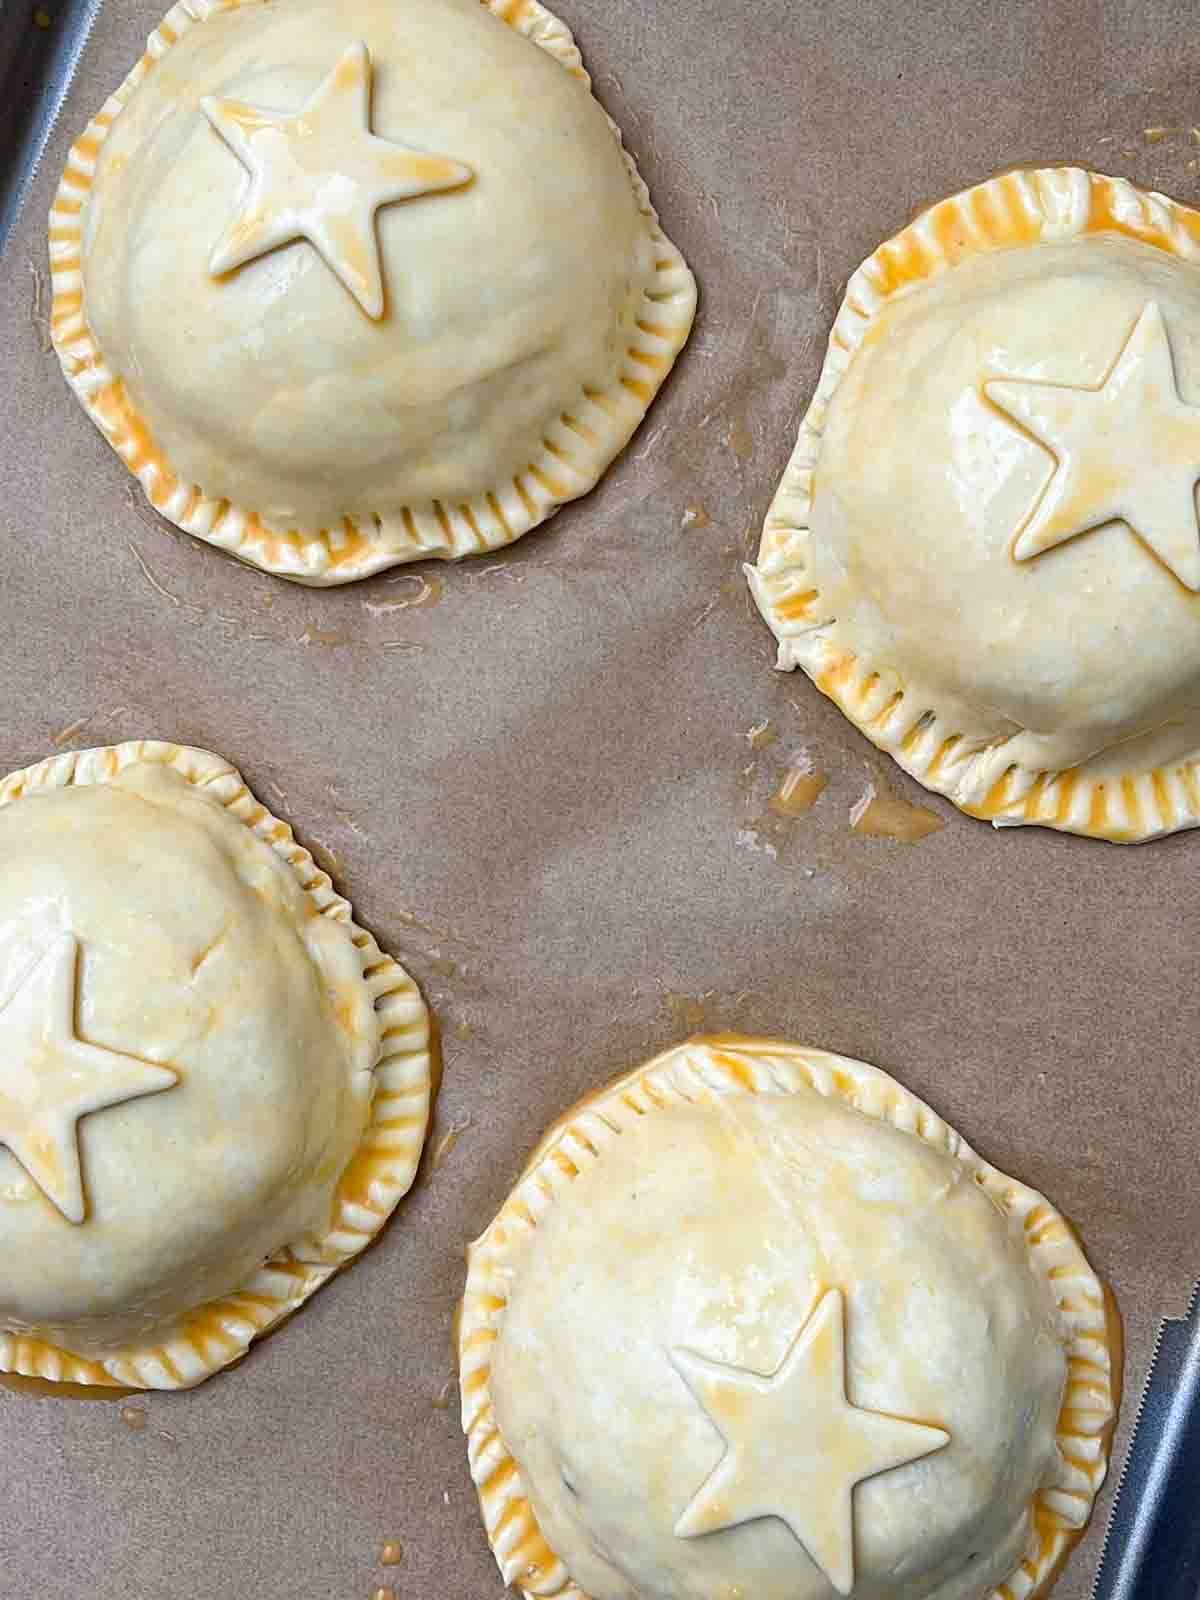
(354, 284)
(756, 1321)
(986, 547)
(195, 1083)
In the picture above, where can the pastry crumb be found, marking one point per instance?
(444, 1147)
(762, 734)
(881, 816)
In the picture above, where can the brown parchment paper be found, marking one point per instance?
(539, 790)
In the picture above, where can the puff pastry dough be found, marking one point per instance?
(353, 284)
(985, 548)
(756, 1322)
(214, 1086)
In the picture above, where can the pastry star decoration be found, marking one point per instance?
(795, 1446)
(1129, 449)
(320, 174)
(49, 1078)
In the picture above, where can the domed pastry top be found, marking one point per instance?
(756, 1322)
(214, 1087)
(986, 548)
(354, 284)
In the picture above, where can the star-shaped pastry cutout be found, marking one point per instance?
(49, 1078)
(1129, 450)
(795, 1446)
(320, 174)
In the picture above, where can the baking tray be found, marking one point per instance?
(543, 775)
(40, 46)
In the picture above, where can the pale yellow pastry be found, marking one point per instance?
(985, 548)
(756, 1323)
(353, 282)
(214, 1085)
